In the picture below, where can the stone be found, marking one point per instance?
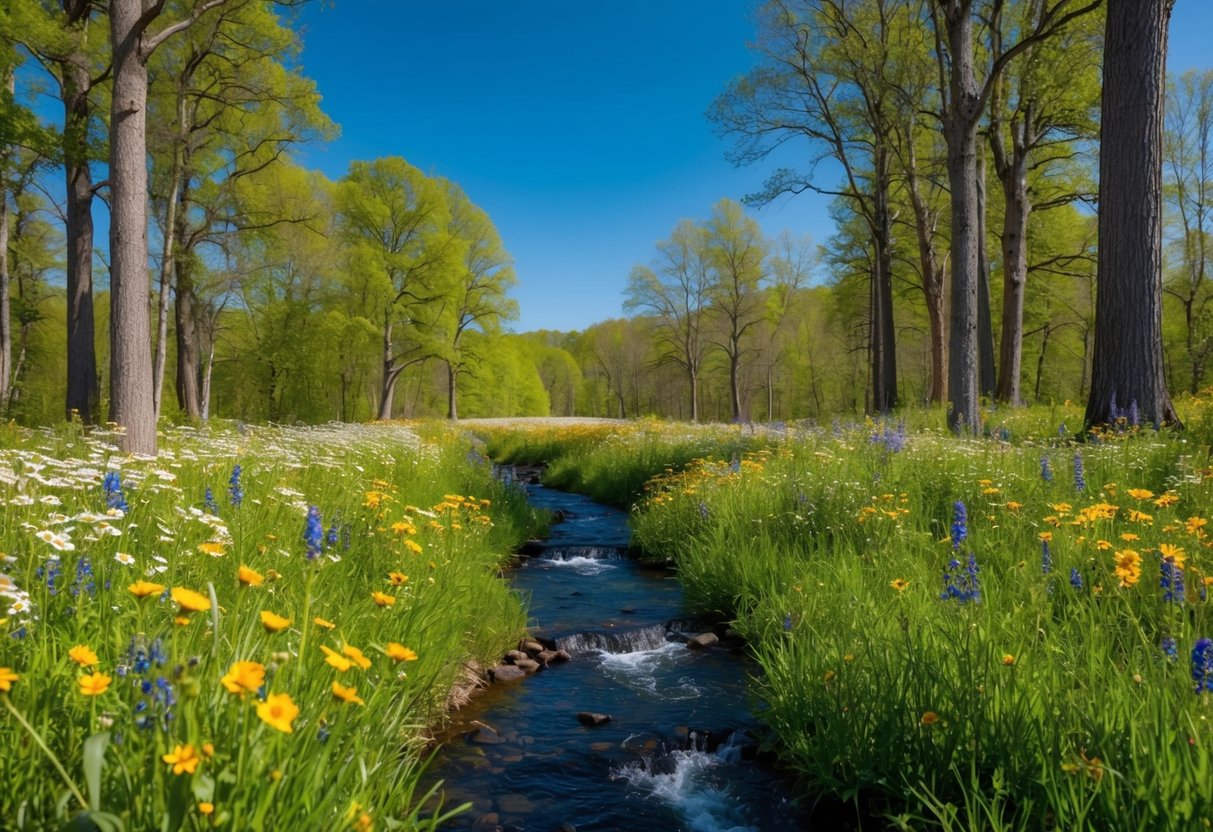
(530, 646)
(591, 719)
(487, 736)
(488, 822)
(702, 641)
(528, 665)
(514, 656)
(562, 656)
(506, 673)
(514, 804)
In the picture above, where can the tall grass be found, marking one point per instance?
(353, 569)
(1055, 689)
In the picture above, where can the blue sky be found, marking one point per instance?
(579, 126)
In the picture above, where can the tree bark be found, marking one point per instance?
(985, 326)
(693, 378)
(1017, 208)
(452, 405)
(188, 359)
(83, 398)
(387, 386)
(6, 333)
(1128, 364)
(168, 252)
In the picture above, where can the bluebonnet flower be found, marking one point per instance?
(787, 622)
(1171, 581)
(961, 584)
(330, 539)
(209, 500)
(313, 533)
(234, 489)
(1046, 470)
(1075, 577)
(1170, 647)
(84, 578)
(19, 633)
(1202, 665)
(1080, 480)
(112, 485)
(703, 510)
(50, 571)
(960, 524)
(1046, 557)
(345, 537)
(1134, 414)
(1061, 429)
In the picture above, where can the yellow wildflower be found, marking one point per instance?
(213, 548)
(1140, 493)
(335, 659)
(382, 599)
(325, 623)
(1128, 567)
(249, 576)
(94, 684)
(397, 578)
(899, 584)
(7, 677)
(183, 759)
(345, 694)
(142, 589)
(413, 546)
(399, 652)
(929, 718)
(273, 622)
(191, 601)
(356, 656)
(244, 677)
(278, 711)
(83, 655)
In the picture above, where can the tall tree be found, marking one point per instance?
(965, 98)
(1128, 362)
(675, 291)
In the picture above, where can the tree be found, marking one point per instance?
(1128, 364)
(675, 291)
(736, 255)
(965, 98)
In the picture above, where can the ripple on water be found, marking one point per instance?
(650, 671)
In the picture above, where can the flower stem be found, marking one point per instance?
(41, 744)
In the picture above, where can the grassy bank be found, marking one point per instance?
(1003, 632)
(250, 632)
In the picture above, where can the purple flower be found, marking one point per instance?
(1202, 665)
(313, 533)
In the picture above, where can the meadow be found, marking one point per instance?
(254, 630)
(1007, 631)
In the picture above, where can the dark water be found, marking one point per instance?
(671, 758)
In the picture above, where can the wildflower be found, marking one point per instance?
(356, 656)
(278, 711)
(209, 501)
(397, 578)
(960, 526)
(1075, 577)
(1173, 553)
(1202, 665)
(112, 486)
(335, 659)
(313, 533)
(1008, 660)
(325, 623)
(1128, 567)
(1167, 500)
(1046, 470)
(345, 694)
(399, 652)
(1140, 493)
(234, 489)
(899, 584)
(382, 599)
(1170, 647)
(83, 655)
(413, 546)
(7, 677)
(273, 622)
(190, 601)
(1046, 556)
(249, 577)
(1171, 581)
(183, 759)
(929, 718)
(206, 807)
(961, 586)
(94, 684)
(1080, 481)
(213, 548)
(244, 677)
(124, 559)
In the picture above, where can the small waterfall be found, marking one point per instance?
(583, 552)
(627, 641)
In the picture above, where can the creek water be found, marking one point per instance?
(672, 757)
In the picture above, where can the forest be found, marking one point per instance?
(273, 293)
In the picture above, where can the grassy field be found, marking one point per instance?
(252, 631)
(1002, 632)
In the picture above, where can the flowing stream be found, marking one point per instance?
(672, 757)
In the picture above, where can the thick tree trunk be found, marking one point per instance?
(986, 378)
(387, 386)
(1128, 358)
(131, 394)
(883, 346)
(1014, 279)
(167, 257)
(6, 332)
(188, 359)
(83, 394)
(452, 405)
(932, 280)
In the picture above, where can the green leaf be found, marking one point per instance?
(94, 764)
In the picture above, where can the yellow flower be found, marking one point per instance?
(1195, 526)
(1046, 537)
(83, 655)
(278, 711)
(382, 599)
(1128, 567)
(249, 577)
(929, 718)
(191, 601)
(1129, 537)
(94, 684)
(273, 622)
(399, 652)
(1167, 500)
(397, 578)
(1014, 506)
(7, 677)
(413, 546)
(208, 748)
(142, 589)
(1008, 659)
(335, 659)
(356, 656)
(1103, 545)
(244, 677)
(1140, 493)
(183, 758)
(1175, 554)
(206, 808)
(899, 584)
(345, 694)
(326, 624)
(213, 548)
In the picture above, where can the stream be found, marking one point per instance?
(674, 755)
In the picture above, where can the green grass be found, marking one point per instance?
(390, 502)
(1038, 706)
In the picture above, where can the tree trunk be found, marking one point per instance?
(884, 350)
(1014, 279)
(188, 360)
(985, 326)
(452, 408)
(168, 253)
(6, 333)
(960, 131)
(205, 404)
(1128, 360)
(1040, 361)
(932, 278)
(734, 381)
(387, 386)
(131, 394)
(83, 394)
(693, 378)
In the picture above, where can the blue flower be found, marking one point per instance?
(330, 539)
(1171, 581)
(1046, 558)
(1075, 577)
(112, 486)
(234, 489)
(1080, 481)
(313, 533)
(959, 584)
(1202, 665)
(960, 524)
(1169, 647)
(1046, 470)
(209, 500)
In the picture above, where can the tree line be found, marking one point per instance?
(960, 141)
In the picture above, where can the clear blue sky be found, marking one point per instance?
(579, 126)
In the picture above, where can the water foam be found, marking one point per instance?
(580, 565)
